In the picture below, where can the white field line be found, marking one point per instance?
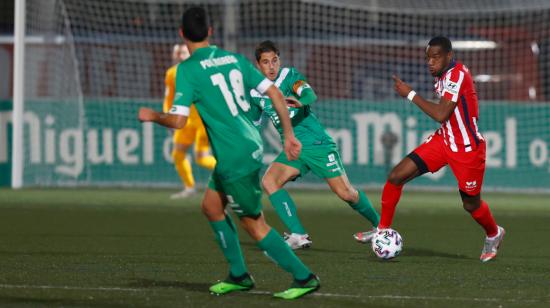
(12, 286)
(395, 297)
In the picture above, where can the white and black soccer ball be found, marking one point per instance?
(387, 244)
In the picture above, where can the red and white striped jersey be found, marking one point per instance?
(460, 132)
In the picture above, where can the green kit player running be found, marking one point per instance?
(319, 152)
(218, 82)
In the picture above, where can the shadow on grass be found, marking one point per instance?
(10, 301)
(189, 286)
(423, 252)
(311, 249)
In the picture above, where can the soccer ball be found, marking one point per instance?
(387, 244)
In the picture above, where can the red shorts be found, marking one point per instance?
(468, 167)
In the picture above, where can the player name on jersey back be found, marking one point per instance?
(208, 63)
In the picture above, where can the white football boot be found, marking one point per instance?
(187, 192)
(297, 241)
(365, 237)
(491, 246)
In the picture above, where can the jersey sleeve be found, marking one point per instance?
(169, 89)
(184, 95)
(453, 85)
(301, 88)
(253, 79)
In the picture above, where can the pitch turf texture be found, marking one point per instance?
(98, 248)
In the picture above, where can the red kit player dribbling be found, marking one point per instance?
(456, 143)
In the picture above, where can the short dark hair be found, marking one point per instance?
(195, 24)
(265, 46)
(443, 42)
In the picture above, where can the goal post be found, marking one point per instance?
(18, 95)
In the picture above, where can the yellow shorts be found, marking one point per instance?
(195, 132)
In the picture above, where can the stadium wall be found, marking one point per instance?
(127, 153)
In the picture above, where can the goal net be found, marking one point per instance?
(91, 64)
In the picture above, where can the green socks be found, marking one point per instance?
(226, 236)
(275, 247)
(364, 207)
(286, 209)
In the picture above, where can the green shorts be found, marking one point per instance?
(323, 161)
(244, 194)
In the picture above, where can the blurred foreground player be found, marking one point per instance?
(193, 132)
(217, 82)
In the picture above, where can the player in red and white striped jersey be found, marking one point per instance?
(456, 143)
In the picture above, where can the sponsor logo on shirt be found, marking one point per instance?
(452, 87)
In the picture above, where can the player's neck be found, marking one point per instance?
(192, 46)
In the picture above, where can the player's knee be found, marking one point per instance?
(269, 185)
(395, 178)
(178, 155)
(470, 206)
(211, 213)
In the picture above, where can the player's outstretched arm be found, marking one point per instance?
(439, 112)
(292, 146)
(165, 119)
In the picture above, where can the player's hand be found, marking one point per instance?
(401, 87)
(146, 114)
(293, 102)
(293, 147)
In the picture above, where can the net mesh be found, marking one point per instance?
(91, 64)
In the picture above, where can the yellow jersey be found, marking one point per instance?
(169, 92)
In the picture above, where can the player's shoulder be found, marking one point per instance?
(296, 74)
(457, 72)
(255, 95)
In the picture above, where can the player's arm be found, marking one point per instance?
(303, 91)
(291, 145)
(439, 112)
(175, 121)
(177, 116)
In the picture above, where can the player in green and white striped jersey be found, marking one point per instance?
(217, 82)
(319, 151)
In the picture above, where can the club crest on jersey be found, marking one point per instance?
(178, 95)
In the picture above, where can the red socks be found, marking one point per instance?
(392, 194)
(390, 197)
(484, 218)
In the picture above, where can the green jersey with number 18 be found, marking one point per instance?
(218, 82)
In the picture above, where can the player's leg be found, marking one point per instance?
(277, 175)
(469, 172)
(355, 198)
(244, 197)
(182, 142)
(427, 157)
(203, 157)
(213, 207)
(403, 172)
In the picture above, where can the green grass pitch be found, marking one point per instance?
(133, 248)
